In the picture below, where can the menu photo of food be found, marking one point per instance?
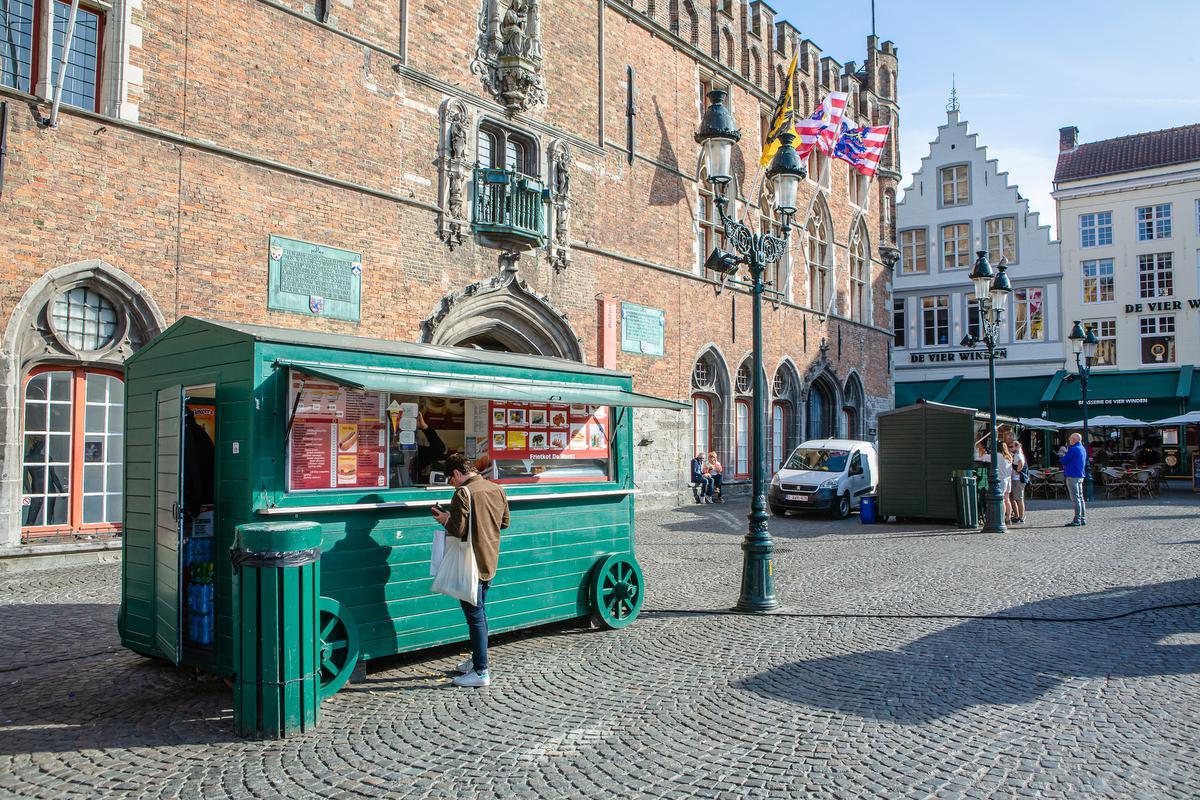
(347, 469)
(579, 439)
(498, 417)
(596, 439)
(516, 439)
(537, 441)
(516, 416)
(498, 440)
(558, 418)
(558, 440)
(347, 441)
(537, 416)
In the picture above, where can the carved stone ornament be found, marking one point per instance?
(561, 165)
(508, 54)
(454, 170)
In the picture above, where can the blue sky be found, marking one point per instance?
(1024, 69)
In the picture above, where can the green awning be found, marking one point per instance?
(1140, 394)
(427, 384)
(909, 393)
(1016, 397)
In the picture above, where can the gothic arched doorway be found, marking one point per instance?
(821, 409)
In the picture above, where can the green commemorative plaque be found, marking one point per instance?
(642, 329)
(312, 279)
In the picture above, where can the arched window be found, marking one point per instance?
(853, 407)
(709, 231)
(859, 273)
(779, 430)
(710, 402)
(889, 215)
(744, 382)
(502, 148)
(742, 439)
(821, 409)
(818, 258)
(779, 273)
(701, 424)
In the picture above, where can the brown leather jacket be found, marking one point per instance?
(490, 517)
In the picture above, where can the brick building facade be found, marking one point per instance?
(189, 135)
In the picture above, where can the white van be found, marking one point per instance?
(825, 475)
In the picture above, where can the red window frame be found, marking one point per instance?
(36, 51)
(74, 524)
(708, 448)
(738, 471)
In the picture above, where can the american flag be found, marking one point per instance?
(861, 148)
(820, 130)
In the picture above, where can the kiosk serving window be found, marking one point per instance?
(345, 438)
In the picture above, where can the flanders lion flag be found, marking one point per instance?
(781, 117)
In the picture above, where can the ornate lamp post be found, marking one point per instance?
(992, 289)
(1084, 345)
(755, 252)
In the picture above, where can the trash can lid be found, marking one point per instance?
(278, 537)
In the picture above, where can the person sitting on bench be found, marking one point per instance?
(716, 473)
(702, 484)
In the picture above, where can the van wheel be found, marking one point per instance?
(843, 507)
(778, 511)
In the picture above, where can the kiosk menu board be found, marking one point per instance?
(547, 431)
(338, 438)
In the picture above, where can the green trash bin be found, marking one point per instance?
(276, 597)
(966, 498)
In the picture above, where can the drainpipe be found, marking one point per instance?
(62, 65)
(3, 143)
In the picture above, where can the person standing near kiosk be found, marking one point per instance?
(479, 508)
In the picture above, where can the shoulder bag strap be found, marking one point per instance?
(470, 520)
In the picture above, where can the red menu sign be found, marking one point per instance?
(339, 437)
(548, 431)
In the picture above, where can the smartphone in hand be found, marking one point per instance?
(436, 510)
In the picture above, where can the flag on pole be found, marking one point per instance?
(782, 117)
(861, 148)
(820, 130)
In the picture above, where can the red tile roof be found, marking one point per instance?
(1129, 153)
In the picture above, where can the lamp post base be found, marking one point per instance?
(758, 577)
(994, 512)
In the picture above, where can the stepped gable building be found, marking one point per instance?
(958, 203)
(1129, 219)
(496, 173)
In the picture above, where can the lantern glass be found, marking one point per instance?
(1000, 299)
(787, 187)
(718, 157)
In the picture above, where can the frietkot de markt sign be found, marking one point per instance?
(642, 329)
(312, 279)
(943, 356)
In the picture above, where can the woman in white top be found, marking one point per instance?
(1006, 468)
(1017, 492)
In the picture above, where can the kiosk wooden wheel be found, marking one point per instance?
(617, 590)
(337, 646)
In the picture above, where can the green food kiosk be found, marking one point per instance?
(253, 453)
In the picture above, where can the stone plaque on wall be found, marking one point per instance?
(312, 279)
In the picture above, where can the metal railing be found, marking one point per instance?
(509, 203)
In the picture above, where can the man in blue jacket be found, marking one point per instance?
(702, 484)
(1074, 463)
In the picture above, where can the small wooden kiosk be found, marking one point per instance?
(920, 447)
(230, 424)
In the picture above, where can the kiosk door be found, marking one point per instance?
(168, 522)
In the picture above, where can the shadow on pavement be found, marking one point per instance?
(996, 663)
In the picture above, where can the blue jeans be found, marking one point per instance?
(1075, 489)
(477, 628)
(709, 482)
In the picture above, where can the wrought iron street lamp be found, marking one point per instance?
(1084, 345)
(992, 289)
(717, 135)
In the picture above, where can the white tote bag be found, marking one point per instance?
(458, 575)
(437, 552)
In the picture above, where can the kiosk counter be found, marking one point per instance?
(239, 432)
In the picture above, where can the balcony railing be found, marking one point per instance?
(510, 205)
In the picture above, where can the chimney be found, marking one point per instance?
(1068, 138)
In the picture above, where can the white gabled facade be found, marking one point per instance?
(958, 202)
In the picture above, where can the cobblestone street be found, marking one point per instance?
(878, 680)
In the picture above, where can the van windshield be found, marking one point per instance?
(818, 459)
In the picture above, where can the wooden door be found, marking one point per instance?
(168, 521)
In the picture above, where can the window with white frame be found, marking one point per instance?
(701, 424)
(1098, 279)
(974, 321)
(1028, 315)
(956, 246)
(899, 324)
(858, 187)
(935, 312)
(742, 439)
(23, 36)
(1106, 333)
(1158, 339)
(1154, 222)
(1198, 217)
(1002, 238)
(914, 252)
(1155, 275)
(858, 278)
(955, 185)
(1095, 229)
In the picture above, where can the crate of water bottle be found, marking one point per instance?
(202, 572)
(199, 550)
(200, 598)
(200, 628)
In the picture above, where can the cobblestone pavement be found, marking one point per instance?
(852, 694)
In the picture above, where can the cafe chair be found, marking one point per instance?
(1056, 485)
(1141, 483)
(1115, 483)
(1037, 483)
